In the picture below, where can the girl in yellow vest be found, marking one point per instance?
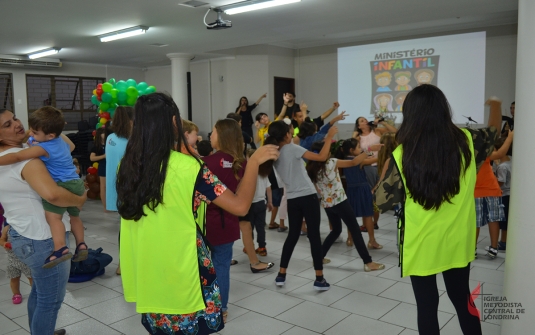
(433, 173)
(166, 267)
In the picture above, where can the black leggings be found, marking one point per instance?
(337, 214)
(426, 293)
(306, 207)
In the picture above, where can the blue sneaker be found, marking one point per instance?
(280, 281)
(321, 285)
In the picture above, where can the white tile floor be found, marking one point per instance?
(379, 303)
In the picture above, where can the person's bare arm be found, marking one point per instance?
(498, 154)
(94, 158)
(68, 141)
(495, 116)
(37, 176)
(345, 163)
(269, 199)
(284, 108)
(238, 203)
(329, 111)
(383, 174)
(23, 155)
(260, 99)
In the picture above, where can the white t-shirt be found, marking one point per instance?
(503, 173)
(291, 169)
(330, 185)
(22, 205)
(261, 184)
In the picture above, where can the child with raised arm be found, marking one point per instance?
(54, 149)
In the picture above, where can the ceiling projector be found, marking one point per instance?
(219, 23)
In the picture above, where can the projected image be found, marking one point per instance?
(406, 74)
(374, 79)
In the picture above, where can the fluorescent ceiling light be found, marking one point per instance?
(115, 35)
(247, 6)
(44, 53)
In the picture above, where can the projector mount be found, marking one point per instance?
(219, 23)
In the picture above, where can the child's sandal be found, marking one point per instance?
(80, 254)
(60, 257)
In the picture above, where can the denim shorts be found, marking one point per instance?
(489, 209)
(276, 196)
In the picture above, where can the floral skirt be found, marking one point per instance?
(205, 321)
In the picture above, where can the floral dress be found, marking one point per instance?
(209, 320)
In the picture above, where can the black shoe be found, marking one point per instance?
(376, 226)
(60, 332)
(268, 266)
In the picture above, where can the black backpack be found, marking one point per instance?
(94, 264)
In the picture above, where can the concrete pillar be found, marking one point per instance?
(519, 268)
(179, 84)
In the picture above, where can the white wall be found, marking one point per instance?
(68, 69)
(160, 77)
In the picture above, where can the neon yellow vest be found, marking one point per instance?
(158, 253)
(435, 241)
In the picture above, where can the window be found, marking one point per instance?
(6, 91)
(70, 94)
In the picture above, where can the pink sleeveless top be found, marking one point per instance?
(370, 139)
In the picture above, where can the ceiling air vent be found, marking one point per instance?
(193, 3)
(20, 61)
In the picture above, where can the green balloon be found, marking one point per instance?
(150, 89)
(112, 113)
(131, 101)
(142, 86)
(132, 92)
(121, 86)
(131, 82)
(112, 108)
(104, 106)
(112, 81)
(107, 87)
(106, 97)
(95, 101)
(121, 98)
(114, 93)
(98, 125)
(141, 92)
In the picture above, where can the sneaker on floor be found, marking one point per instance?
(321, 285)
(280, 281)
(326, 261)
(502, 246)
(492, 253)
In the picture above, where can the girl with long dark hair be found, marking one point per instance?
(166, 267)
(368, 134)
(303, 202)
(245, 111)
(98, 155)
(433, 174)
(324, 174)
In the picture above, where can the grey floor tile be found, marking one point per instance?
(487, 275)
(8, 325)
(252, 323)
(307, 292)
(130, 326)
(299, 331)
(405, 315)
(7, 294)
(14, 311)
(68, 316)
(367, 305)
(365, 283)
(90, 326)
(453, 328)
(90, 295)
(239, 290)
(111, 311)
(313, 317)
(355, 324)
(268, 303)
(292, 283)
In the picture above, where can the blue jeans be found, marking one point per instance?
(221, 257)
(49, 285)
